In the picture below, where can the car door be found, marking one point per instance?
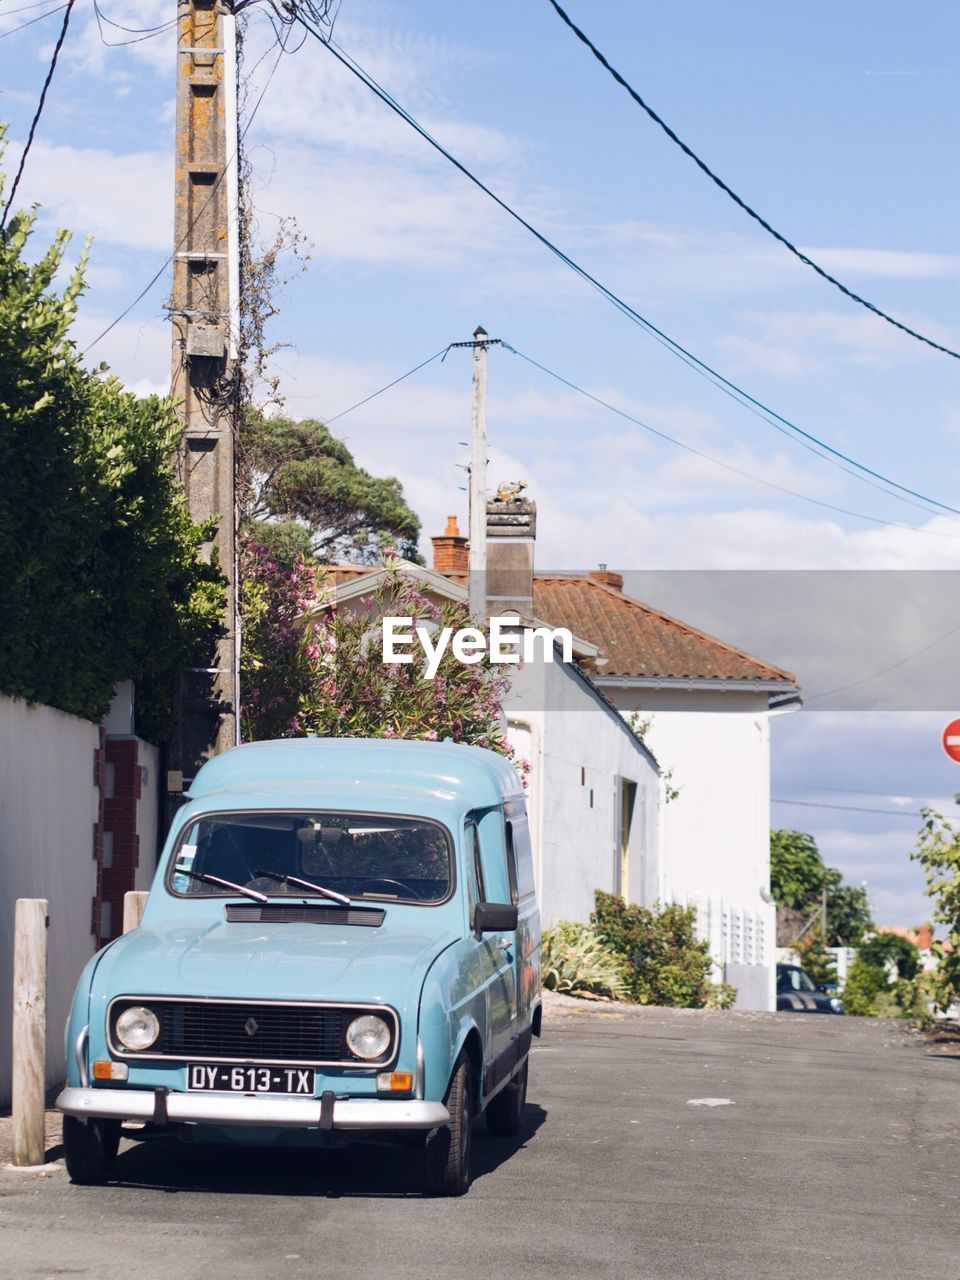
(495, 953)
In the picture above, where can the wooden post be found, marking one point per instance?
(477, 564)
(29, 1030)
(134, 900)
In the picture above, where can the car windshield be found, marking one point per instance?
(792, 979)
(357, 855)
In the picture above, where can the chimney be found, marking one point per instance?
(607, 577)
(511, 534)
(450, 549)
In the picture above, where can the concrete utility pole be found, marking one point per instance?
(204, 311)
(477, 562)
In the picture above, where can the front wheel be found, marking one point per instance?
(447, 1154)
(90, 1149)
(505, 1112)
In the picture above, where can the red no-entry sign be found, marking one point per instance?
(951, 740)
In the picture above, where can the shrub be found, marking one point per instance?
(721, 996)
(864, 984)
(575, 962)
(666, 962)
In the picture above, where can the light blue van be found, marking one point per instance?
(341, 943)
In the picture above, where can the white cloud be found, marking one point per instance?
(892, 263)
(119, 198)
(794, 344)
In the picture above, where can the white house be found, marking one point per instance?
(704, 707)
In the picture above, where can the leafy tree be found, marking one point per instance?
(887, 950)
(101, 576)
(304, 495)
(797, 871)
(848, 911)
(938, 852)
(798, 878)
(311, 667)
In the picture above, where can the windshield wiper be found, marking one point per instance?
(306, 884)
(255, 894)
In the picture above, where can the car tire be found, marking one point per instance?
(90, 1149)
(505, 1111)
(447, 1153)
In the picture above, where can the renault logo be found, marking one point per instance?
(251, 1026)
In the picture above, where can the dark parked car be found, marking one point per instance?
(798, 993)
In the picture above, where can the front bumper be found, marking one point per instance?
(246, 1109)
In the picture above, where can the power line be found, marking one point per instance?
(750, 212)
(724, 384)
(849, 808)
(29, 23)
(139, 33)
(366, 400)
(727, 466)
(36, 117)
(902, 662)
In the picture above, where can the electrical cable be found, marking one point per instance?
(849, 808)
(36, 117)
(39, 18)
(366, 400)
(902, 662)
(727, 466)
(728, 387)
(750, 212)
(148, 33)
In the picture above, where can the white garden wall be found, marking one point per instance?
(48, 808)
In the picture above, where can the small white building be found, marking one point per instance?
(704, 707)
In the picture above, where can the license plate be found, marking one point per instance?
(297, 1080)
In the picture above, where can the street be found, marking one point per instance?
(660, 1143)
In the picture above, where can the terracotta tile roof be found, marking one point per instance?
(638, 640)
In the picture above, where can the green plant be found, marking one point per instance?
(864, 984)
(814, 958)
(938, 852)
(721, 996)
(574, 961)
(667, 963)
(801, 880)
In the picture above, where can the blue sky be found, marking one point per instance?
(838, 123)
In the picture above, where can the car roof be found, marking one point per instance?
(349, 773)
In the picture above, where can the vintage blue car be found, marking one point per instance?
(341, 943)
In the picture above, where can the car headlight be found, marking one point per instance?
(368, 1037)
(137, 1028)
(836, 1004)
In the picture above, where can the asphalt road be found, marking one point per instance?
(834, 1153)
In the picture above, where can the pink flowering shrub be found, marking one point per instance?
(310, 667)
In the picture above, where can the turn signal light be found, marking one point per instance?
(110, 1070)
(395, 1082)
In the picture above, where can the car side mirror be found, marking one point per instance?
(492, 917)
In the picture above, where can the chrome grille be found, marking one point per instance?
(248, 1031)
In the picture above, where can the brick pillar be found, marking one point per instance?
(119, 852)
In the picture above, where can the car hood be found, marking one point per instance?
(299, 961)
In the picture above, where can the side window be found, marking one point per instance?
(475, 890)
(511, 862)
(522, 858)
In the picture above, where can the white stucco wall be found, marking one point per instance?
(715, 836)
(578, 748)
(48, 808)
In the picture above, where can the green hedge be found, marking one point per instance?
(101, 579)
(667, 963)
